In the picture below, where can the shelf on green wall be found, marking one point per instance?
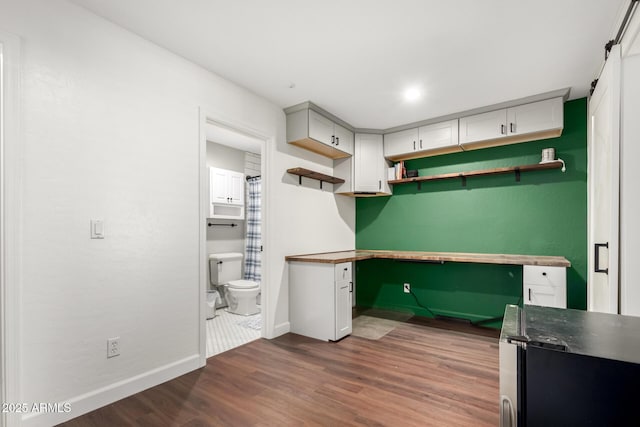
(493, 171)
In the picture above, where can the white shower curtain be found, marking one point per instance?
(254, 236)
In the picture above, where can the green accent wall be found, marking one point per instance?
(543, 214)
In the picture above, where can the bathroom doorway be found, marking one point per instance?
(236, 303)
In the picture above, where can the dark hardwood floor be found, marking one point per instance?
(414, 376)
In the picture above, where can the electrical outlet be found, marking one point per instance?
(113, 347)
(406, 288)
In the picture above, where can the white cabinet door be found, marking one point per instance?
(219, 186)
(321, 128)
(535, 117)
(344, 139)
(438, 135)
(541, 295)
(399, 143)
(235, 189)
(485, 126)
(343, 276)
(369, 165)
(343, 310)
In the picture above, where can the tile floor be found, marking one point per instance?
(228, 330)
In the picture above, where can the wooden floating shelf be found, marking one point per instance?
(495, 171)
(306, 173)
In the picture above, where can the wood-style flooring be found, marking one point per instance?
(414, 376)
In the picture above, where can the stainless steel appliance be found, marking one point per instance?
(568, 368)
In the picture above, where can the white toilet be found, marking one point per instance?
(225, 269)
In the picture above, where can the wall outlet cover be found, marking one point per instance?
(113, 347)
(406, 288)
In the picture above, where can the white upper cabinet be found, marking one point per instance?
(311, 130)
(482, 127)
(397, 144)
(535, 117)
(537, 120)
(429, 140)
(226, 194)
(365, 172)
(321, 128)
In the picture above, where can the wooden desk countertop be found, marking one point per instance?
(359, 255)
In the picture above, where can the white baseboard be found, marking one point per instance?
(101, 397)
(281, 329)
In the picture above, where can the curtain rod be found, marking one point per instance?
(255, 176)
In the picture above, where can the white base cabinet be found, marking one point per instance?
(320, 299)
(545, 286)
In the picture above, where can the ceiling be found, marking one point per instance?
(356, 58)
(230, 138)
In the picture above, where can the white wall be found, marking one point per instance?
(111, 131)
(223, 157)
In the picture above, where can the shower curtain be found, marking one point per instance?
(254, 235)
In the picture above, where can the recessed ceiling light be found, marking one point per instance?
(412, 94)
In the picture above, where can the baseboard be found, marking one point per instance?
(101, 397)
(281, 329)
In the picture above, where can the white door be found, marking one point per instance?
(367, 174)
(321, 128)
(482, 127)
(219, 186)
(603, 183)
(236, 188)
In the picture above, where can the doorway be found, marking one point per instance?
(233, 243)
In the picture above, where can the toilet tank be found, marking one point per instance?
(225, 267)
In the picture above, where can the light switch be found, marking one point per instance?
(97, 229)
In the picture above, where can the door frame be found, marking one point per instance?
(11, 178)
(610, 76)
(217, 119)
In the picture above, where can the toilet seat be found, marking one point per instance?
(242, 284)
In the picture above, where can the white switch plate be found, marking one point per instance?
(97, 229)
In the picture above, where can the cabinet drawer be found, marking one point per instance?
(544, 276)
(343, 272)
